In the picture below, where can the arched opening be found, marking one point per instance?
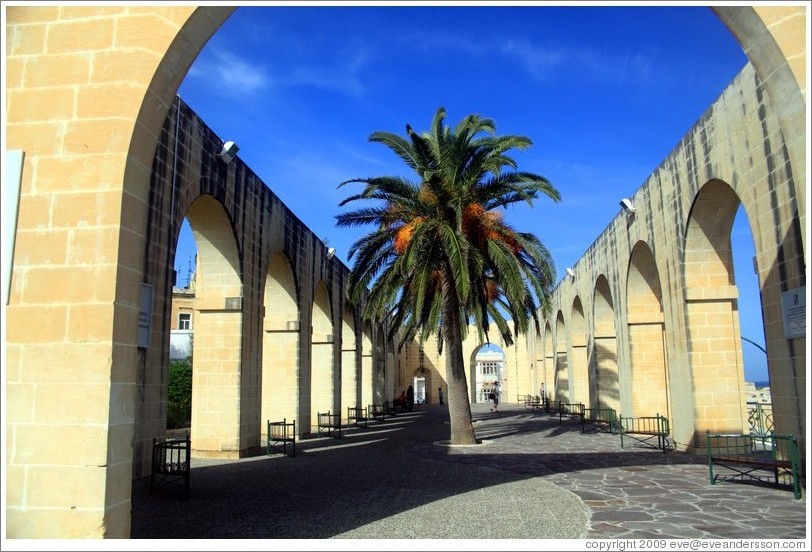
(321, 354)
(366, 376)
(562, 376)
(648, 369)
(580, 377)
(757, 387)
(712, 311)
(548, 370)
(488, 368)
(280, 344)
(350, 380)
(604, 353)
(216, 377)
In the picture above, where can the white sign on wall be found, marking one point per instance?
(144, 316)
(793, 308)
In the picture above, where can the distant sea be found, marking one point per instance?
(760, 384)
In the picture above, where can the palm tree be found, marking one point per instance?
(442, 257)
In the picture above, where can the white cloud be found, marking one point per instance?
(229, 74)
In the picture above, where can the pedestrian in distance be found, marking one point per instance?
(410, 399)
(440, 394)
(494, 396)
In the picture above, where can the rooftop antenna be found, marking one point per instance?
(189, 273)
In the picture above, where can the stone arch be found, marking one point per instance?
(604, 348)
(379, 368)
(538, 360)
(322, 376)
(481, 381)
(562, 375)
(646, 333)
(366, 376)
(350, 380)
(578, 358)
(280, 344)
(218, 328)
(548, 373)
(771, 37)
(712, 323)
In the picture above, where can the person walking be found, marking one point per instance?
(494, 396)
(440, 394)
(410, 399)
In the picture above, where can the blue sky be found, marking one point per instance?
(605, 92)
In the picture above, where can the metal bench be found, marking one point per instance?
(645, 430)
(357, 415)
(170, 464)
(329, 424)
(604, 419)
(377, 412)
(535, 403)
(769, 458)
(280, 436)
(573, 411)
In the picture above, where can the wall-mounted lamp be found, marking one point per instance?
(228, 152)
(627, 205)
(331, 253)
(571, 273)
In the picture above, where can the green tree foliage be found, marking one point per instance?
(441, 256)
(179, 410)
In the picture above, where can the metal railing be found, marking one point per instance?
(760, 418)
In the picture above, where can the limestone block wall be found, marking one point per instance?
(76, 80)
(671, 288)
(268, 300)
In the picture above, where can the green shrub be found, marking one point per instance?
(179, 410)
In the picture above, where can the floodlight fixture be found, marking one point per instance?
(571, 273)
(331, 253)
(627, 205)
(229, 150)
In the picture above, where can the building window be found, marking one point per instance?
(184, 321)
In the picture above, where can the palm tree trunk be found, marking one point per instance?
(459, 405)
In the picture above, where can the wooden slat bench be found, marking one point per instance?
(769, 458)
(645, 430)
(280, 436)
(573, 411)
(170, 464)
(376, 412)
(357, 415)
(329, 424)
(604, 419)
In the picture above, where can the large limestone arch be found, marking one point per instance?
(562, 368)
(712, 311)
(350, 377)
(88, 89)
(216, 379)
(322, 374)
(548, 370)
(604, 348)
(646, 330)
(578, 355)
(280, 345)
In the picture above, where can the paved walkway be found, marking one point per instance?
(531, 478)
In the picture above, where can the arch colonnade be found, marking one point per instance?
(89, 107)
